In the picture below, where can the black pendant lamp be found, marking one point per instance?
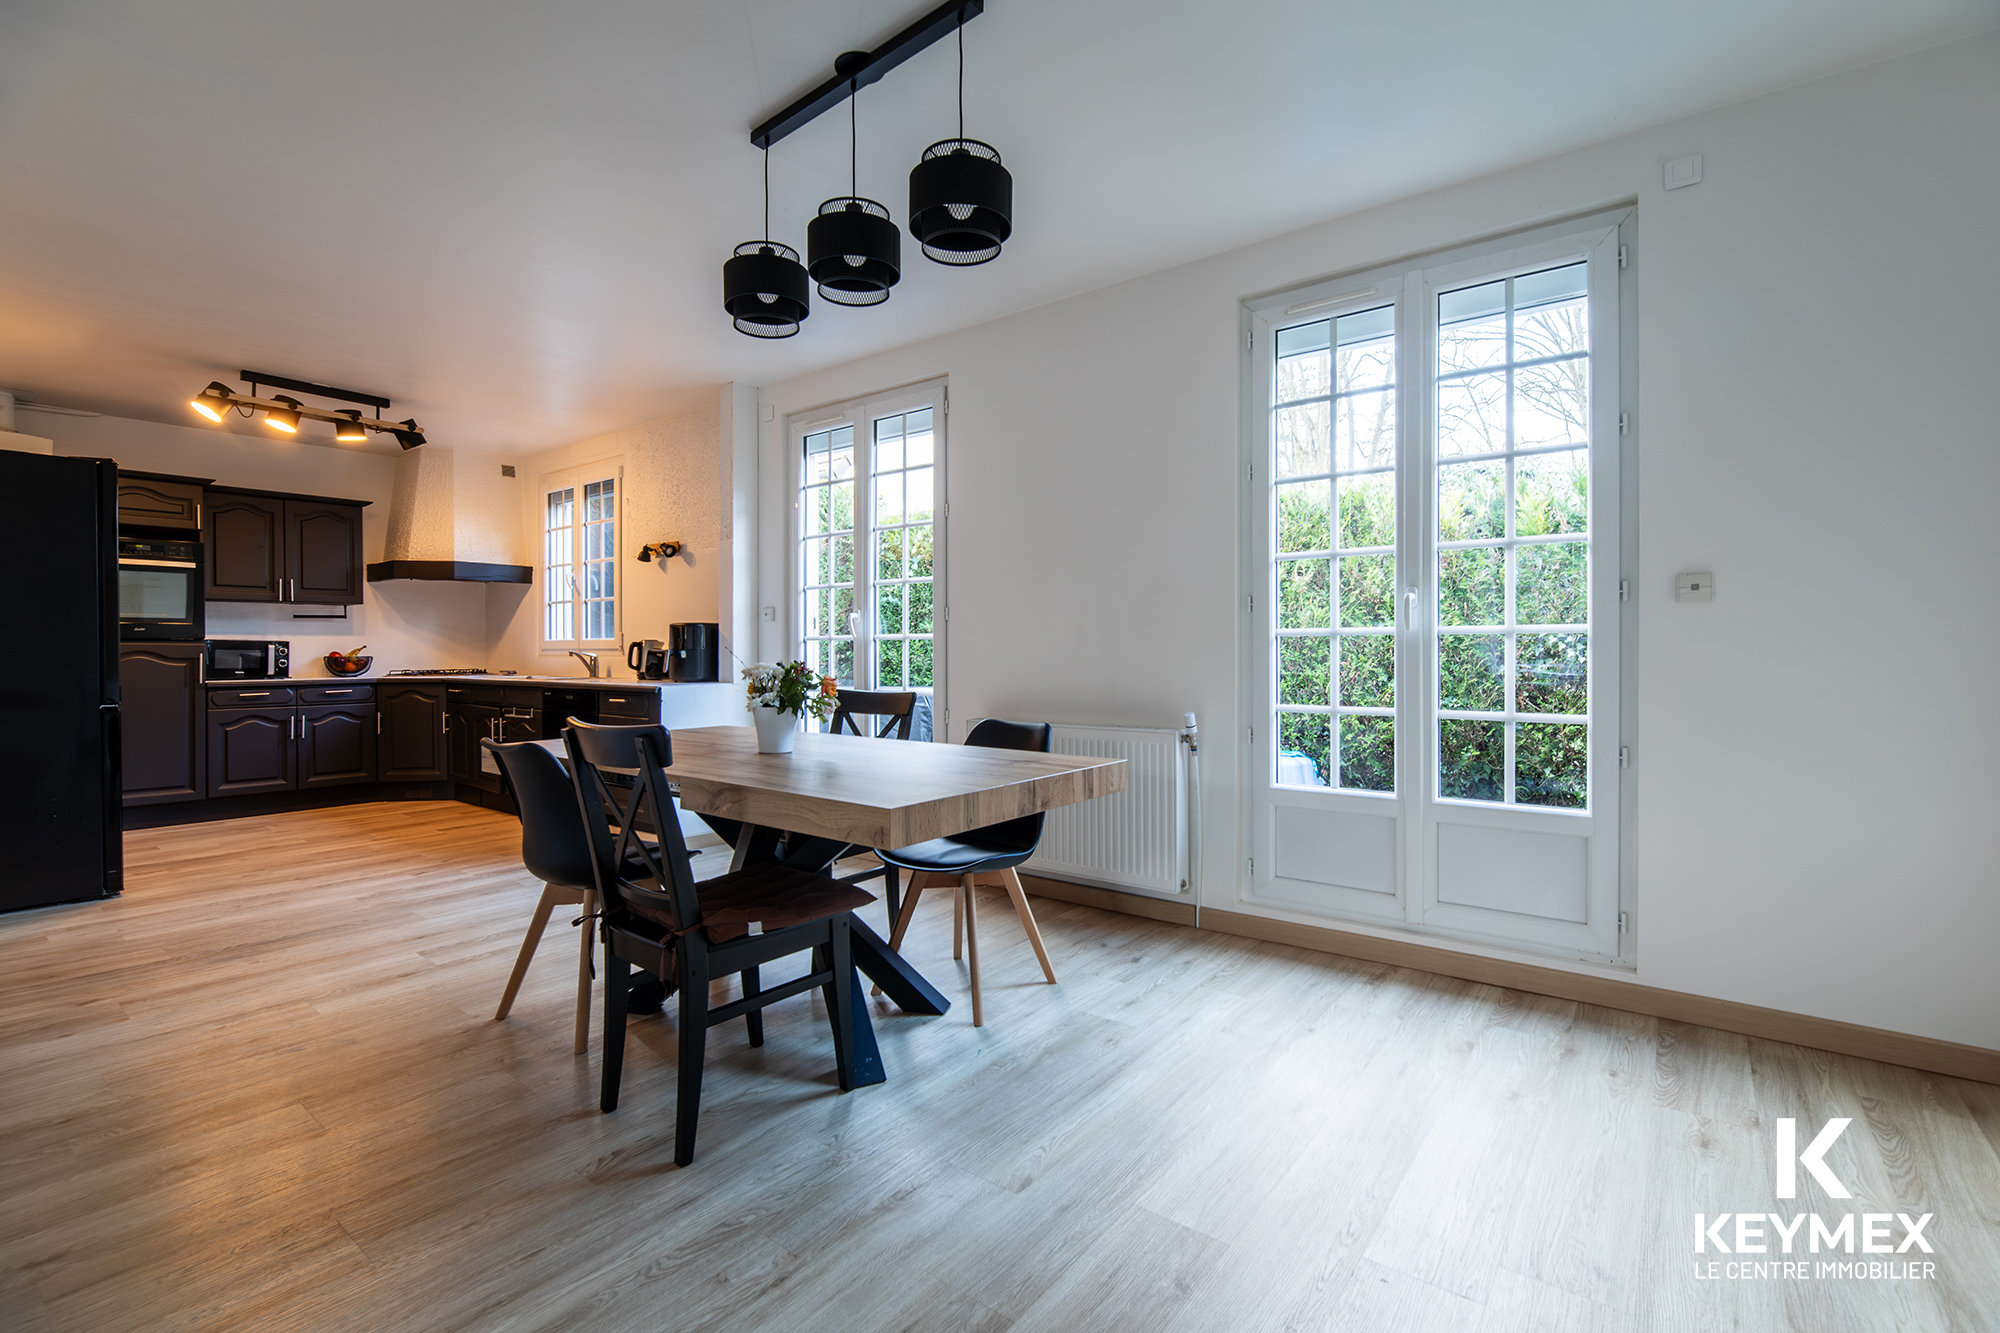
(853, 250)
(764, 286)
(961, 197)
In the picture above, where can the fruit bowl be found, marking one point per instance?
(347, 666)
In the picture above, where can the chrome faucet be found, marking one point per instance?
(589, 660)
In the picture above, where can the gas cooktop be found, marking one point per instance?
(452, 671)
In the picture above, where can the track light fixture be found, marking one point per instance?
(282, 412)
(961, 197)
(853, 250)
(284, 418)
(764, 286)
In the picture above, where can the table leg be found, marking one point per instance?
(889, 970)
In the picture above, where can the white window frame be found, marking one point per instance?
(861, 414)
(576, 478)
(1413, 285)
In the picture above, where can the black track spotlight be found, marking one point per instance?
(961, 202)
(961, 197)
(764, 286)
(409, 437)
(215, 401)
(349, 431)
(853, 250)
(284, 418)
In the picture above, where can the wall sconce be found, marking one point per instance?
(664, 550)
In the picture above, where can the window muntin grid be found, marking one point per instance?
(902, 550)
(579, 563)
(826, 553)
(1333, 524)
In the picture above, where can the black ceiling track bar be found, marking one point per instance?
(253, 378)
(867, 67)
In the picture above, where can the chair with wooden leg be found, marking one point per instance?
(556, 850)
(889, 714)
(980, 857)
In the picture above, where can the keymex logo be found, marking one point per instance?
(1810, 1233)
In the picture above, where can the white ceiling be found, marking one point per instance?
(510, 217)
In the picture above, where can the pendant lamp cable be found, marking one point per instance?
(961, 78)
(767, 192)
(853, 142)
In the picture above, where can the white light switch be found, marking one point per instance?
(1698, 586)
(1683, 171)
(770, 615)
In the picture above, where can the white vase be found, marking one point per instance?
(775, 729)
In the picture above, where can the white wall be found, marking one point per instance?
(1815, 749)
(403, 624)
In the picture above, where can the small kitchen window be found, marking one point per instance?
(580, 559)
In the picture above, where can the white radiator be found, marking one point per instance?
(1136, 839)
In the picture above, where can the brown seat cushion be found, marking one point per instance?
(771, 894)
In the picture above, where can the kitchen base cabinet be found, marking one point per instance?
(411, 721)
(162, 712)
(336, 745)
(251, 750)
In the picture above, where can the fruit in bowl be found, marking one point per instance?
(348, 664)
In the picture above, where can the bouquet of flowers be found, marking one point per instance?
(790, 687)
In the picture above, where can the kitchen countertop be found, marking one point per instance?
(537, 682)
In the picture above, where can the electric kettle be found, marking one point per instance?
(648, 659)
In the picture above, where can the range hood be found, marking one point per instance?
(454, 517)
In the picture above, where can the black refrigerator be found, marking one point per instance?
(60, 771)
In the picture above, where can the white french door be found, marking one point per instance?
(869, 535)
(1434, 528)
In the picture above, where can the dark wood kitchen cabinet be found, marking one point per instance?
(470, 724)
(336, 745)
(162, 711)
(290, 738)
(266, 547)
(411, 719)
(158, 501)
(252, 750)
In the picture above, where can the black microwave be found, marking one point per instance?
(159, 590)
(247, 659)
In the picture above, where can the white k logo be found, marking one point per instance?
(1790, 1158)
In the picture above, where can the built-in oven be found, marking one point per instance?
(247, 659)
(159, 590)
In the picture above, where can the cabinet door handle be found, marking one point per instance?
(253, 694)
(336, 691)
(378, 724)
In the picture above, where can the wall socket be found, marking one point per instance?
(1698, 586)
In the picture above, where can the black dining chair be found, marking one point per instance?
(688, 933)
(979, 856)
(556, 850)
(894, 709)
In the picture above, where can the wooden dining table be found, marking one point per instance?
(868, 792)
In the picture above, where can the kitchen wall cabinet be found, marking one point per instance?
(266, 547)
(158, 501)
(163, 707)
(411, 720)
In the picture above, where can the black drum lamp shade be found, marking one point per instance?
(765, 290)
(854, 251)
(961, 202)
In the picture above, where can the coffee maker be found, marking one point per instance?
(648, 659)
(692, 651)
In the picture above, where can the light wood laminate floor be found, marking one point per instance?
(264, 1091)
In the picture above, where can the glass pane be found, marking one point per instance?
(1368, 753)
(1368, 510)
(1472, 759)
(597, 620)
(1303, 602)
(840, 507)
(1552, 493)
(889, 663)
(920, 608)
(1472, 586)
(1551, 330)
(843, 661)
(889, 554)
(889, 498)
(1472, 416)
(559, 508)
(819, 656)
(596, 580)
(1551, 764)
(1552, 590)
(818, 467)
(816, 613)
(1552, 404)
(1302, 434)
(918, 540)
(920, 663)
(889, 608)
(1552, 674)
(1368, 590)
(839, 621)
(1367, 364)
(819, 561)
(919, 497)
(814, 508)
(1472, 672)
(1303, 671)
(1305, 749)
(1305, 375)
(1368, 671)
(888, 444)
(919, 442)
(1472, 328)
(1367, 426)
(1303, 521)
(1472, 501)
(842, 565)
(1304, 339)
